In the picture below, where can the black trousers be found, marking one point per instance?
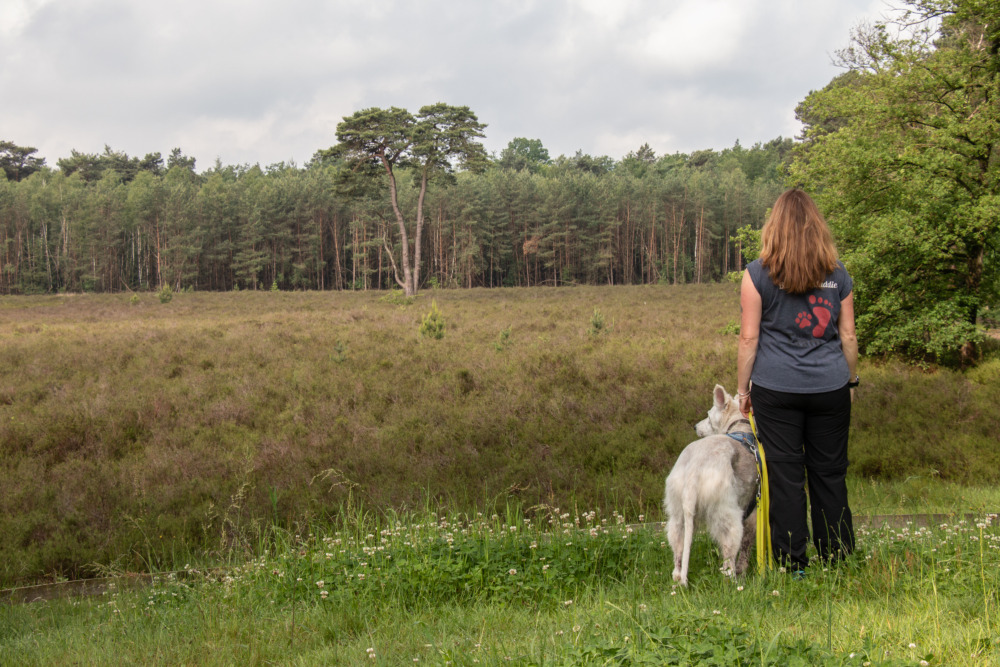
(804, 437)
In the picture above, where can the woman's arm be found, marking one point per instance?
(848, 336)
(750, 310)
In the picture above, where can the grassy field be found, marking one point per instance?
(137, 435)
(555, 588)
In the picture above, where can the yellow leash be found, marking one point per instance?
(765, 560)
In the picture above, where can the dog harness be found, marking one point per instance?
(749, 441)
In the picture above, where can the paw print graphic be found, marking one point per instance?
(822, 310)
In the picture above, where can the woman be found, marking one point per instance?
(797, 363)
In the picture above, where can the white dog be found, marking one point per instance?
(714, 482)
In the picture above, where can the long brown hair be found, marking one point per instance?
(796, 245)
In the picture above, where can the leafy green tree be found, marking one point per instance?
(19, 162)
(904, 156)
(430, 143)
(178, 159)
(91, 166)
(145, 206)
(522, 153)
(639, 162)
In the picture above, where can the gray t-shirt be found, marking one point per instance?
(799, 348)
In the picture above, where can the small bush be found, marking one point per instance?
(597, 324)
(165, 294)
(731, 329)
(433, 323)
(503, 340)
(397, 297)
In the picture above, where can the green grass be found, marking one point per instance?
(137, 435)
(543, 588)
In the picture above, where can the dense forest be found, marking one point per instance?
(110, 222)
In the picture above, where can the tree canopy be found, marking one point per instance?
(19, 162)
(111, 222)
(436, 141)
(902, 152)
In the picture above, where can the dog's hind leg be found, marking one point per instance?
(747, 543)
(726, 527)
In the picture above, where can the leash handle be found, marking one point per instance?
(765, 559)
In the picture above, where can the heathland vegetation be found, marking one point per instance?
(137, 434)
(362, 478)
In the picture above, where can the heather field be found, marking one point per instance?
(140, 435)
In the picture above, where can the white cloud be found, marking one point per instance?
(16, 15)
(695, 35)
(258, 81)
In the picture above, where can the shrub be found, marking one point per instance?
(433, 323)
(503, 340)
(165, 294)
(397, 298)
(597, 324)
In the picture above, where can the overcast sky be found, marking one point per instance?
(263, 81)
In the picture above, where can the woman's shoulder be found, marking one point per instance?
(760, 276)
(842, 279)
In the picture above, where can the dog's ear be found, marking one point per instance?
(720, 396)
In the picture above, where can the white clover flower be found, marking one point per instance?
(511, 571)
(567, 603)
(775, 593)
(912, 645)
(739, 588)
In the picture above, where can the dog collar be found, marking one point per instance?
(741, 420)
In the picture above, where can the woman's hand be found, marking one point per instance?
(745, 405)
